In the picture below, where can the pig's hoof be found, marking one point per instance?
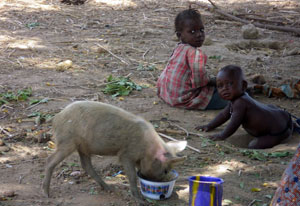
(46, 194)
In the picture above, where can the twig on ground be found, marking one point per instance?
(253, 201)
(6, 132)
(4, 116)
(186, 132)
(213, 4)
(6, 106)
(136, 49)
(171, 131)
(21, 178)
(173, 139)
(119, 58)
(61, 173)
(264, 26)
(16, 163)
(259, 19)
(145, 53)
(20, 63)
(42, 101)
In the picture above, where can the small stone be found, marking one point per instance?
(258, 79)
(62, 66)
(75, 173)
(249, 31)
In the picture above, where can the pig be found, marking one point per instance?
(103, 129)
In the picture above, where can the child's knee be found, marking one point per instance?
(263, 142)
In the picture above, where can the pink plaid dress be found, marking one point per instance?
(288, 192)
(183, 83)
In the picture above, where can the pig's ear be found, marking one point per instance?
(176, 146)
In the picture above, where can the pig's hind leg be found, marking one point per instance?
(60, 154)
(87, 166)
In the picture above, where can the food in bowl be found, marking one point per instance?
(158, 190)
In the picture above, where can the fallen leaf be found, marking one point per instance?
(51, 145)
(254, 189)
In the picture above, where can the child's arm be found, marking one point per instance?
(220, 119)
(237, 117)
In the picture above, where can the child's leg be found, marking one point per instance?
(264, 142)
(269, 141)
(216, 102)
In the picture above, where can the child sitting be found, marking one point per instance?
(269, 124)
(184, 82)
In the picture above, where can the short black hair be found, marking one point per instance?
(234, 70)
(184, 15)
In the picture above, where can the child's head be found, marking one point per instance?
(189, 27)
(231, 82)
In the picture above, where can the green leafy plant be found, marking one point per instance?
(24, 94)
(32, 25)
(93, 191)
(20, 95)
(262, 156)
(216, 57)
(38, 101)
(142, 67)
(40, 117)
(120, 86)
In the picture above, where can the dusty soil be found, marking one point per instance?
(37, 35)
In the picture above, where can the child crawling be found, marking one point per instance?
(268, 123)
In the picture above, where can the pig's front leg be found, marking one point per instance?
(130, 171)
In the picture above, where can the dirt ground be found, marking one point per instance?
(135, 39)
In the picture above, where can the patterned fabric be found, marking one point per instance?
(288, 192)
(183, 83)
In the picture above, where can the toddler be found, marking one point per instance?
(269, 124)
(184, 82)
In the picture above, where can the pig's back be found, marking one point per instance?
(98, 128)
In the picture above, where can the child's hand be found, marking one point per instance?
(216, 137)
(203, 128)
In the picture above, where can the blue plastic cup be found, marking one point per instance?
(205, 191)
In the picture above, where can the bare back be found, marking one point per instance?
(259, 119)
